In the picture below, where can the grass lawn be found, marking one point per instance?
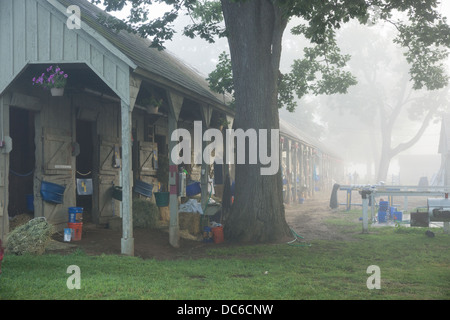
(412, 266)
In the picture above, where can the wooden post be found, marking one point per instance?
(365, 205)
(175, 104)
(288, 171)
(4, 167)
(127, 242)
(294, 153)
(204, 177)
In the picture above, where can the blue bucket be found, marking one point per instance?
(193, 189)
(52, 187)
(398, 216)
(52, 197)
(75, 214)
(207, 234)
(143, 188)
(384, 205)
(52, 192)
(30, 202)
(381, 216)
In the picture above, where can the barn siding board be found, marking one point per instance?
(5, 43)
(44, 34)
(19, 36)
(31, 31)
(57, 39)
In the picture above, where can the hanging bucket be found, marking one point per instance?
(143, 188)
(52, 192)
(75, 214)
(162, 199)
(193, 189)
(77, 229)
(117, 193)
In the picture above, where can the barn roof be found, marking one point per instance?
(293, 132)
(158, 63)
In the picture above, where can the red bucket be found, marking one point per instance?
(217, 234)
(77, 229)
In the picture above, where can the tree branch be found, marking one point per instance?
(406, 145)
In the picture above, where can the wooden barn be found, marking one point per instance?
(108, 129)
(308, 165)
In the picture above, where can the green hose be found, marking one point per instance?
(296, 238)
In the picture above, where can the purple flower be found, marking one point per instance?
(66, 75)
(57, 69)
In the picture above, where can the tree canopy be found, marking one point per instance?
(421, 30)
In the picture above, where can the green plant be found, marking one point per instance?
(150, 101)
(54, 78)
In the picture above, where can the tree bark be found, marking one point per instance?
(255, 31)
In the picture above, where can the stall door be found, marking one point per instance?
(58, 163)
(109, 168)
(148, 158)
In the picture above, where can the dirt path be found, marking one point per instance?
(306, 219)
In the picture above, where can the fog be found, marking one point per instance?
(354, 139)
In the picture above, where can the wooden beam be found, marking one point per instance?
(135, 86)
(25, 102)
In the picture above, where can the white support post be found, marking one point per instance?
(127, 241)
(288, 171)
(175, 104)
(365, 204)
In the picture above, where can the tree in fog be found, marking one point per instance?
(384, 98)
(254, 30)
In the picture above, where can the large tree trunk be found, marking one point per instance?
(255, 31)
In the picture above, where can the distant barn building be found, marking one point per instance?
(444, 150)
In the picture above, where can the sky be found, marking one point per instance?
(202, 57)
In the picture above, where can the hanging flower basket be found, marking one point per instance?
(54, 79)
(153, 109)
(57, 92)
